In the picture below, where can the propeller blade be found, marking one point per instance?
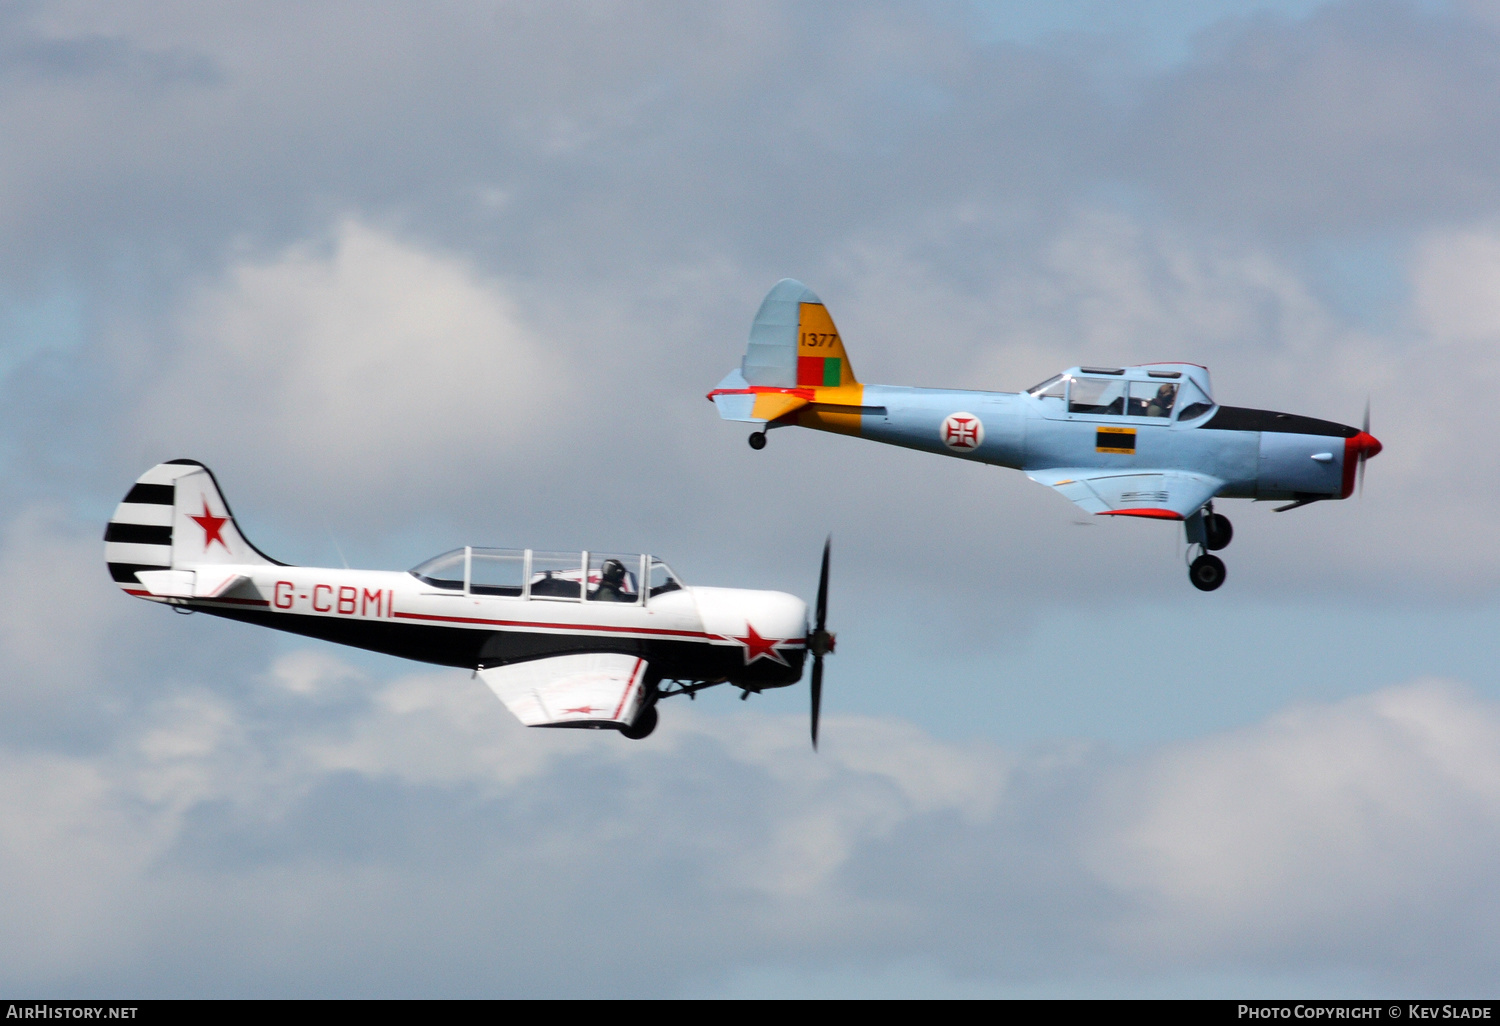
(817, 696)
(822, 614)
(1364, 456)
(820, 642)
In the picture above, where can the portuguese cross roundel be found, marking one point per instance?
(962, 432)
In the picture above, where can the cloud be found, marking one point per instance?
(266, 832)
(1353, 830)
(1359, 118)
(364, 364)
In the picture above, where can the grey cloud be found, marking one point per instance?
(1363, 119)
(30, 55)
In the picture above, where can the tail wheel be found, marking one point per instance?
(1207, 572)
(758, 440)
(1219, 532)
(644, 724)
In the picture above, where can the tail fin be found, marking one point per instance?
(175, 519)
(794, 350)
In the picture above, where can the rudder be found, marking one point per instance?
(794, 342)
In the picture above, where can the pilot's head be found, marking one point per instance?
(1164, 393)
(613, 573)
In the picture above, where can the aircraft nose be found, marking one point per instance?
(1365, 445)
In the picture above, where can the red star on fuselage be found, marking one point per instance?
(757, 647)
(212, 526)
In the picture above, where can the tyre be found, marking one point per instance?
(1219, 532)
(758, 440)
(1207, 572)
(644, 724)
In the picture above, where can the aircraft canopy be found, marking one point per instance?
(559, 576)
(1164, 390)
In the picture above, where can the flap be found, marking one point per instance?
(587, 689)
(1161, 494)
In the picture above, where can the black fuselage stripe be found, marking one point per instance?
(140, 534)
(124, 573)
(458, 646)
(152, 494)
(1239, 418)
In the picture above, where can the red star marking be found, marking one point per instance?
(584, 709)
(757, 647)
(212, 526)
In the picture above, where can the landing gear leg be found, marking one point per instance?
(1207, 572)
(644, 724)
(758, 440)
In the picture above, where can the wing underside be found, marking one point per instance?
(588, 689)
(1159, 494)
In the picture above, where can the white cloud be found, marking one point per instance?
(1456, 277)
(365, 364)
(1376, 816)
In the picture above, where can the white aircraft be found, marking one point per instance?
(565, 639)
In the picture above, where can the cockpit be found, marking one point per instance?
(630, 578)
(1160, 392)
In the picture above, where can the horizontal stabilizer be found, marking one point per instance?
(1159, 494)
(589, 689)
(167, 583)
(770, 405)
(209, 582)
(212, 582)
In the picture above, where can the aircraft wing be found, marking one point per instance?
(586, 689)
(1162, 494)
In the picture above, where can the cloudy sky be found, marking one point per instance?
(414, 275)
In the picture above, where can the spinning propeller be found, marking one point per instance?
(1368, 447)
(820, 642)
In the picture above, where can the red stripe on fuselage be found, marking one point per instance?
(603, 628)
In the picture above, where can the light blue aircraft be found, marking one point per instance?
(1146, 441)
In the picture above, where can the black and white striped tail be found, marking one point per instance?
(155, 528)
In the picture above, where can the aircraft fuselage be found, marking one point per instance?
(1258, 454)
(686, 634)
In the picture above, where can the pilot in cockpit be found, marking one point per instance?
(1161, 404)
(611, 583)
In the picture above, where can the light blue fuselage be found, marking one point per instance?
(1032, 433)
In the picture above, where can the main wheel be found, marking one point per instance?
(1207, 572)
(758, 440)
(1219, 532)
(644, 724)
